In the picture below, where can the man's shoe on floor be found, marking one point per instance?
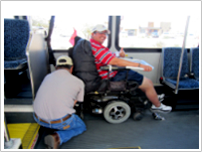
(161, 97)
(52, 141)
(162, 109)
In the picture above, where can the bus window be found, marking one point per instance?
(39, 24)
(64, 28)
(143, 30)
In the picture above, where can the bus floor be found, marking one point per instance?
(179, 130)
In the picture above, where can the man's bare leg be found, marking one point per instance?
(148, 88)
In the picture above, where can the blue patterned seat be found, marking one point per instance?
(194, 60)
(170, 67)
(16, 36)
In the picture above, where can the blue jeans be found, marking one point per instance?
(67, 129)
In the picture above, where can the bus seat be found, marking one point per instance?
(170, 68)
(37, 51)
(16, 36)
(194, 62)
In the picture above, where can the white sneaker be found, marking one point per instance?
(161, 97)
(162, 109)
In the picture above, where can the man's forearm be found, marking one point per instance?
(122, 62)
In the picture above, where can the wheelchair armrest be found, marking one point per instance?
(116, 68)
(110, 68)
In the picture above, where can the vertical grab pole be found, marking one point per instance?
(181, 58)
(7, 143)
(6, 133)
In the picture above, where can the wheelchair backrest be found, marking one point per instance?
(84, 65)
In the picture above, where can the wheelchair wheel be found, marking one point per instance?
(117, 112)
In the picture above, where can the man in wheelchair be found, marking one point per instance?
(110, 87)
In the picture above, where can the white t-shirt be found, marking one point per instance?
(56, 95)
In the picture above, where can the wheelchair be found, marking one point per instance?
(116, 101)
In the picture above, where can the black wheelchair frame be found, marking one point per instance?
(117, 103)
(115, 100)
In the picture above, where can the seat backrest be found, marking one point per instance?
(170, 62)
(16, 36)
(194, 60)
(84, 65)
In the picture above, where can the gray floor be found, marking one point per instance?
(180, 130)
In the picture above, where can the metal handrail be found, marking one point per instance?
(181, 58)
(6, 133)
(7, 141)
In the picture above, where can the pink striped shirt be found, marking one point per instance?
(103, 56)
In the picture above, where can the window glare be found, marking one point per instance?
(64, 28)
(157, 31)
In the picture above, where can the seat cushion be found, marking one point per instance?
(184, 84)
(16, 64)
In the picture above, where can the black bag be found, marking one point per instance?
(117, 86)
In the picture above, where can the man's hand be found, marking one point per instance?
(75, 102)
(122, 53)
(146, 67)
